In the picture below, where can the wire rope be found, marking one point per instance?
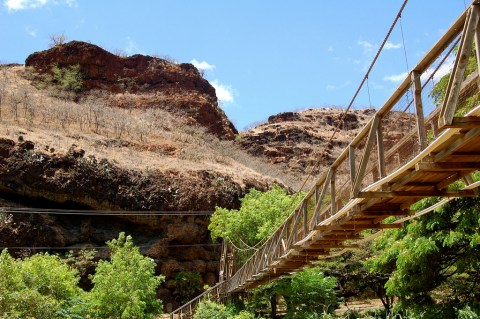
(16, 210)
(321, 154)
(102, 247)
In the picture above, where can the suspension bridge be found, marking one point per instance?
(378, 176)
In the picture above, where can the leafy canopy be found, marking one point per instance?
(306, 293)
(35, 287)
(125, 286)
(258, 217)
(435, 260)
(46, 287)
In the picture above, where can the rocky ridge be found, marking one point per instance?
(155, 82)
(296, 140)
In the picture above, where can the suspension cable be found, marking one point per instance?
(321, 154)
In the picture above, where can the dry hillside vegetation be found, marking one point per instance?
(141, 139)
(300, 141)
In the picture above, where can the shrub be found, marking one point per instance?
(186, 285)
(308, 293)
(211, 310)
(36, 287)
(125, 286)
(68, 78)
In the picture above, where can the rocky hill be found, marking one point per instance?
(296, 141)
(178, 88)
(140, 134)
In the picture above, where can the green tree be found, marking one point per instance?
(187, 284)
(306, 293)
(435, 260)
(125, 286)
(68, 78)
(258, 217)
(41, 286)
(211, 310)
(311, 293)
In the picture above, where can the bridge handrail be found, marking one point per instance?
(240, 277)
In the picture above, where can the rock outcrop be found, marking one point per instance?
(178, 243)
(179, 88)
(296, 140)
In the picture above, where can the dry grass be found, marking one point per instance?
(133, 138)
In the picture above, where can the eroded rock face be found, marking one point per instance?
(103, 185)
(296, 139)
(180, 87)
(177, 243)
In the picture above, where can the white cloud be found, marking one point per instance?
(15, 5)
(203, 65)
(330, 48)
(396, 78)
(224, 93)
(443, 70)
(390, 45)
(332, 87)
(133, 48)
(367, 46)
(31, 32)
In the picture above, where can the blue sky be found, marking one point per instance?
(263, 56)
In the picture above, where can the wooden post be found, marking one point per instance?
(366, 156)
(333, 209)
(381, 151)
(477, 50)
(417, 95)
(351, 157)
(305, 220)
(434, 124)
(316, 214)
(449, 106)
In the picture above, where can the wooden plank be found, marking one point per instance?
(381, 152)
(347, 236)
(366, 156)
(305, 220)
(418, 194)
(446, 166)
(420, 119)
(477, 50)
(328, 246)
(421, 184)
(318, 204)
(464, 156)
(458, 175)
(466, 122)
(465, 138)
(453, 88)
(351, 156)
(412, 174)
(333, 194)
(359, 226)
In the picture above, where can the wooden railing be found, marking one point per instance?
(375, 166)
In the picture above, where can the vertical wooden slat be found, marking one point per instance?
(453, 88)
(305, 220)
(417, 95)
(477, 49)
(316, 214)
(366, 156)
(333, 209)
(434, 124)
(351, 156)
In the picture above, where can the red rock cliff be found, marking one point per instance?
(180, 88)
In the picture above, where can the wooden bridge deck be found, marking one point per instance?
(454, 155)
(375, 178)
